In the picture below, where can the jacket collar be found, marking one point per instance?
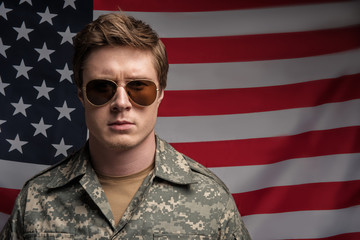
(72, 167)
(170, 165)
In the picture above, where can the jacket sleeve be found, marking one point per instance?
(14, 227)
(233, 226)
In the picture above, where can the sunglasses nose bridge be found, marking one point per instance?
(121, 97)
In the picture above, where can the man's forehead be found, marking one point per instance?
(111, 63)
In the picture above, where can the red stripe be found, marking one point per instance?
(7, 199)
(262, 46)
(259, 99)
(345, 236)
(313, 196)
(271, 150)
(195, 6)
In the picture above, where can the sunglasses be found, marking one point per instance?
(99, 92)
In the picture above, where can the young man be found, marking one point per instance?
(125, 183)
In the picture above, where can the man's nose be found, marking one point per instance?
(121, 100)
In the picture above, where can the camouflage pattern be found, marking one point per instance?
(180, 199)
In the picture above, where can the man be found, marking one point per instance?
(126, 182)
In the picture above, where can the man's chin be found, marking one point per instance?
(120, 145)
(124, 142)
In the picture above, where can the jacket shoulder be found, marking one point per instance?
(46, 174)
(200, 169)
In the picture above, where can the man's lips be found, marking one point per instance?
(121, 125)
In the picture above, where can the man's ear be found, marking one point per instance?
(161, 96)
(80, 95)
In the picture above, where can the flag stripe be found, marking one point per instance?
(253, 21)
(22, 170)
(304, 224)
(347, 236)
(313, 196)
(3, 218)
(259, 125)
(262, 73)
(199, 5)
(261, 47)
(330, 168)
(248, 100)
(274, 149)
(340, 167)
(7, 199)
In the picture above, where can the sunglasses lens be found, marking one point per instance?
(99, 92)
(142, 92)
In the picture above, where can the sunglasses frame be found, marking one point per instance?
(117, 86)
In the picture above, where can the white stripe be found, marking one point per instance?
(303, 224)
(332, 168)
(259, 125)
(3, 219)
(262, 73)
(14, 174)
(250, 21)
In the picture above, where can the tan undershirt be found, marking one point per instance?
(120, 190)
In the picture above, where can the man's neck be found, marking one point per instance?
(113, 162)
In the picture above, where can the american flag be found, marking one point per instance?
(264, 93)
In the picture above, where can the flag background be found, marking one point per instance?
(265, 94)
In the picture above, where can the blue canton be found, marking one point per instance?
(41, 119)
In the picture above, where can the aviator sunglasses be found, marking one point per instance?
(99, 92)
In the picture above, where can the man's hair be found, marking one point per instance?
(116, 29)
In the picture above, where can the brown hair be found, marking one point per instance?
(117, 29)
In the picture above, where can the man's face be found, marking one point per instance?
(120, 124)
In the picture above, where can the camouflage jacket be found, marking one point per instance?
(180, 199)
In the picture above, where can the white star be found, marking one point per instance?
(47, 16)
(69, 3)
(66, 36)
(28, 1)
(1, 122)
(3, 86)
(61, 148)
(16, 144)
(43, 90)
(41, 127)
(4, 11)
(64, 111)
(3, 48)
(65, 73)
(22, 70)
(23, 32)
(44, 52)
(20, 107)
